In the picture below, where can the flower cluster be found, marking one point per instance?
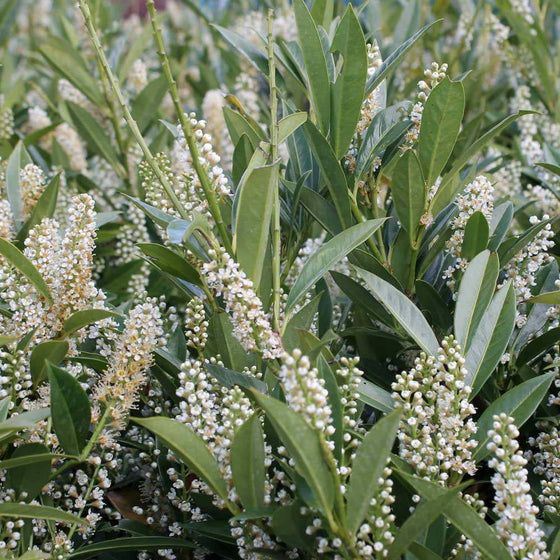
(129, 359)
(251, 325)
(436, 434)
(478, 196)
(517, 525)
(547, 465)
(305, 391)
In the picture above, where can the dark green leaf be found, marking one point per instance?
(303, 445)
(367, 467)
(519, 403)
(328, 255)
(441, 122)
(248, 463)
(189, 448)
(70, 410)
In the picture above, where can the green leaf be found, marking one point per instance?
(289, 124)
(475, 293)
(477, 234)
(519, 403)
(171, 262)
(70, 410)
(189, 448)
(248, 463)
(45, 207)
(23, 421)
(491, 338)
(303, 445)
(300, 321)
(6, 339)
(550, 298)
(464, 517)
(81, 319)
(501, 220)
(448, 188)
(349, 87)
(385, 128)
(403, 310)
(222, 341)
(25, 266)
(146, 104)
(328, 255)
(409, 193)
(129, 543)
(315, 64)
(90, 130)
(367, 468)
(67, 62)
(441, 122)
(332, 173)
(13, 192)
(29, 511)
(229, 378)
(538, 346)
(422, 517)
(53, 351)
(375, 396)
(17, 461)
(253, 219)
(289, 526)
(33, 474)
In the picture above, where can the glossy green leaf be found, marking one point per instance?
(464, 517)
(409, 317)
(441, 122)
(331, 171)
(550, 298)
(330, 253)
(171, 262)
(349, 87)
(189, 448)
(33, 474)
(53, 351)
(491, 338)
(23, 421)
(29, 511)
(422, 517)
(289, 124)
(475, 293)
(317, 77)
(86, 317)
(134, 544)
(375, 396)
(477, 234)
(367, 467)
(253, 219)
(409, 193)
(70, 410)
(303, 445)
(248, 463)
(519, 402)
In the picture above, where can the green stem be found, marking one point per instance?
(276, 231)
(100, 53)
(185, 123)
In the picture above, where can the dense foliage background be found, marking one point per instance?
(279, 279)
